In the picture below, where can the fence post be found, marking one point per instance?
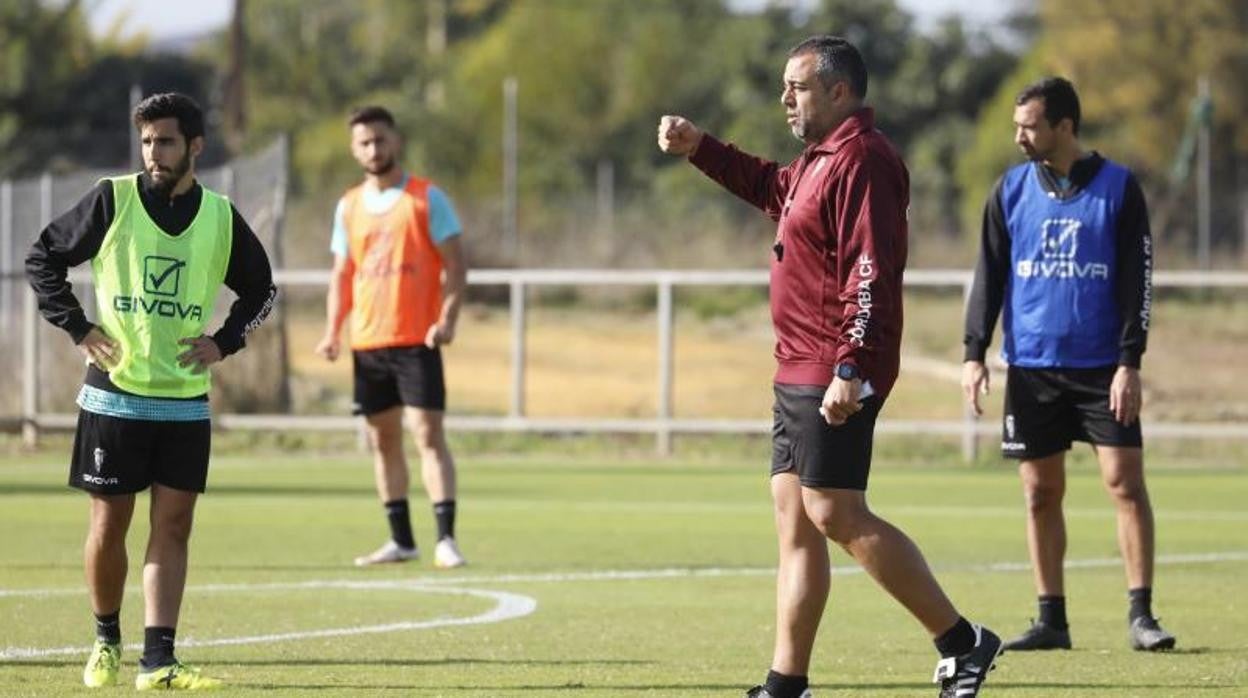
(970, 440)
(518, 322)
(663, 435)
(30, 338)
(6, 254)
(227, 180)
(30, 370)
(278, 252)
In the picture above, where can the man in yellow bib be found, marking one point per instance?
(399, 272)
(160, 247)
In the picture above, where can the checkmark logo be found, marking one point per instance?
(162, 275)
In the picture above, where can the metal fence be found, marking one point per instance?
(664, 424)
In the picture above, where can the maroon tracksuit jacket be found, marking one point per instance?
(840, 209)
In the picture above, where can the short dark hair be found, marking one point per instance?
(173, 105)
(370, 114)
(836, 59)
(1060, 100)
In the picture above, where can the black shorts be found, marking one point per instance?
(113, 455)
(823, 455)
(1047, 409)
(393, 376)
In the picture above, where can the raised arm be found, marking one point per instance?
(762, 183)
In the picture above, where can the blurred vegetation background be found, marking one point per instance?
(594, 76)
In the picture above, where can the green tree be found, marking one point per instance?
(309, 62)
(991, 148)
(936, 92)
(64, 95)
(1136, 65)
(584, 94)
(42, 50)
(1137, 62)
(593, 79)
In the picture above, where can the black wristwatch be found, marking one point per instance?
(847, 372)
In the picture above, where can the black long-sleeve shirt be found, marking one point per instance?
(1134, 267)
(75, 237)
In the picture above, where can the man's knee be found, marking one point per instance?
(172, 514)
(1044, 484)
(1126, 488)
(174, 524)
(839, 521)
(386, 438)
(1122, 473)
(1041, 496)
(428, 432)
(110, 519)
(107, 532)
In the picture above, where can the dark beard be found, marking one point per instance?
(383, 169)
(165, 186)
(1034, 155)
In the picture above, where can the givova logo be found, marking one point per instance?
(1011, 442)
(162, 275)
(99, 456)
(1059, 244)
(1059, 238)
(162, 278)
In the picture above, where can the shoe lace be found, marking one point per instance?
(104, 658)
(170, 675)
(1149, 623)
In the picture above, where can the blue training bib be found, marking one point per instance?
(1061, 308)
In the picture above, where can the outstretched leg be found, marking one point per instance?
(887, 554)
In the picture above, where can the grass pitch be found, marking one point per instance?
(603, 575)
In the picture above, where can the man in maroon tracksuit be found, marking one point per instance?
(840, 249)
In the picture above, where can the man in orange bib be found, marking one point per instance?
(399, 265)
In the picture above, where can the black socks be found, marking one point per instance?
(1053, 608)
(157, 648)
(108, 628)
(1141, 603)
(400, 519)
(1053, 611)
(782, 686)
(956, 641)
(400, 523)
(444, 512)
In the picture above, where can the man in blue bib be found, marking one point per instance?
(1066, 260)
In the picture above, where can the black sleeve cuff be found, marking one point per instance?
(228, 342)
(79, 327)
(975, 352)
(1129, 358)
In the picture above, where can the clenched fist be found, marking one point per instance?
(678, 136)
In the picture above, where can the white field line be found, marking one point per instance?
(427, 583)
(886, 510)
(1070, 513)
(507, 606)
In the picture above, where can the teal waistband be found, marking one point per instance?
(152, 409)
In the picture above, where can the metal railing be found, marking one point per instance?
(664, 424)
